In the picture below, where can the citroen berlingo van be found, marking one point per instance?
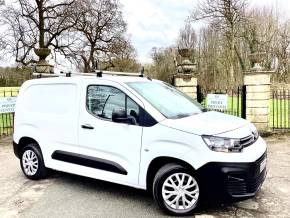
(137, 132)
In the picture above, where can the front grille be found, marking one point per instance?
(249, 140)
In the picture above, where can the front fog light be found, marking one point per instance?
(222, 144)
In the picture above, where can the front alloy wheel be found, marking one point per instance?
(180, 191)
(176, 190)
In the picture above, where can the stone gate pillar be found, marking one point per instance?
(185, 79)
(258, 88)
(186, 83)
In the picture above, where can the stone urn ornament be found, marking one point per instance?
(186, 66)
(42, 66)
(185, 52)
(257, 58)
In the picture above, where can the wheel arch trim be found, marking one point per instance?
(156, 163)
(25, 140)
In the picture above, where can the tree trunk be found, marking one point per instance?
(91, 61)
(86, 67)
(232, 58)
(41, 24)
(86, 64)
(241, 61)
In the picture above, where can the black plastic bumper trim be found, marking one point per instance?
(88, 161)
(16, 149)
(232, 180)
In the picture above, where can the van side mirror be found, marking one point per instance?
(119, 115)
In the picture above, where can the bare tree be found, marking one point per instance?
(225, 16)
(282, 50)
(163, 64)
(30, 24)
(187, 37)
(120, 57)
(98, 34)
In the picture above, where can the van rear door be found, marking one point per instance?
(47, 112)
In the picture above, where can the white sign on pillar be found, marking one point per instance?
(7, 105)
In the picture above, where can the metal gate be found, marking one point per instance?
(7, 119)
(280, 109)
(235, 100)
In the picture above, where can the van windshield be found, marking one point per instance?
(166, 99)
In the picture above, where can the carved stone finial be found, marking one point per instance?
(257, 58)
(185, 66)
(42, 66)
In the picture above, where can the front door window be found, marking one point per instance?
(102, 100)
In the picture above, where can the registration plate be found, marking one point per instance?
(263, 165)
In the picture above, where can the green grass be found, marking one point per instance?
(6, 123)
(9, 88)
(8, 91)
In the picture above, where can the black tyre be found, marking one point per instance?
(176, 190)
(32, 163)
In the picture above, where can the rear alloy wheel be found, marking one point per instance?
(29, 162)
(32, 163)
(176, 190)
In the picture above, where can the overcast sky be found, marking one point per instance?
(157, 22)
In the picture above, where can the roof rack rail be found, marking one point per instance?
(96, 73)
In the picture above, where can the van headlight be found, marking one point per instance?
(222, 144)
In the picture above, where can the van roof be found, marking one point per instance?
(79, 79)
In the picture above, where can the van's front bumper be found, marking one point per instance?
(233, 180)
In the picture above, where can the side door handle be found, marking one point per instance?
(87, 126)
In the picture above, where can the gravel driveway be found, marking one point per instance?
(64, 195)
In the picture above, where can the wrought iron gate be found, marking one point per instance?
(7, 119)
(236, 100)
(280, 109)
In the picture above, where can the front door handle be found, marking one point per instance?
(87, 126)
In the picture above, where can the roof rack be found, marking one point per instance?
(96, 73)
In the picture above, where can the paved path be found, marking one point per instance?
(64, 195)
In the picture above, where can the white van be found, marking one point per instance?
(137, 132)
